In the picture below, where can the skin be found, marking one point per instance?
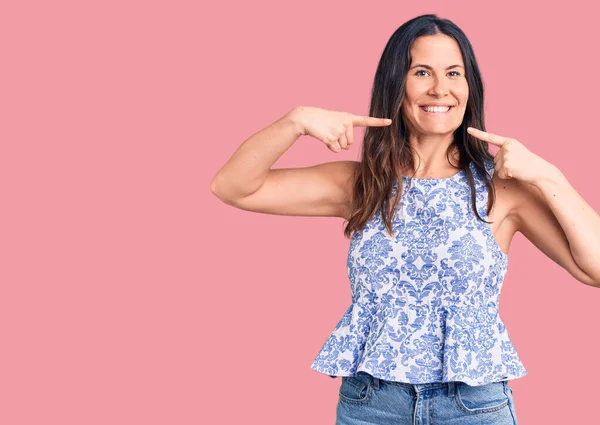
(537, 200)
(431, 134)
(532, 195)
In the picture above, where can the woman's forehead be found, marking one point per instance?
(436, 51)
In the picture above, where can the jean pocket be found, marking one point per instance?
(489, 397)
(356, 389)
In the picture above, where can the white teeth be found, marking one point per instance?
(436, 108)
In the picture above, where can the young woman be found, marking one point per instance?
(432, 214)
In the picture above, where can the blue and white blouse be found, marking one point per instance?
(425, 301)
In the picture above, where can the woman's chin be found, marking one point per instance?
(438, 131)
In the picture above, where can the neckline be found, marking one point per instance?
(430, 180)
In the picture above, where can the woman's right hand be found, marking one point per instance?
(335, 129)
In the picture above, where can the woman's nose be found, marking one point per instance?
(439, 88)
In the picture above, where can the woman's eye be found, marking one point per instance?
(451, 72)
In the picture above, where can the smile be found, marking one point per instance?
(436, 109)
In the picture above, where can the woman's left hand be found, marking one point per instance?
(514, 160)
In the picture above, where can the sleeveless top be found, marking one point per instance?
(425, 301)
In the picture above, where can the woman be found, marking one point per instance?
(430, 232)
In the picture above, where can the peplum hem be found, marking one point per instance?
(420, 344)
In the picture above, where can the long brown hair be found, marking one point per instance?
(386, 150)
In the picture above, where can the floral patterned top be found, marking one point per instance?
(425, 301)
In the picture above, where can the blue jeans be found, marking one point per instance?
(364, 399)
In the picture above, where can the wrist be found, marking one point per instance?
(552, 176)
(294, 117)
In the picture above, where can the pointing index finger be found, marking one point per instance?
(366, 121)
(494, 139)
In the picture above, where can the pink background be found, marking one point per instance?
(132, 295)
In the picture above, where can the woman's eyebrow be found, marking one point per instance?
(428, 67)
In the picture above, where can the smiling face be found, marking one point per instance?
(436, 77)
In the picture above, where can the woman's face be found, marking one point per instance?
(433, 79)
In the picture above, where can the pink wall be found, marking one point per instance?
(131, 295)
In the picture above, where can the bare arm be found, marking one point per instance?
(320, 190)
(247, 169)
(549, 211)
(247, 182)
(559, 222)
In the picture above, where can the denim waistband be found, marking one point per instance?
(418, 388)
